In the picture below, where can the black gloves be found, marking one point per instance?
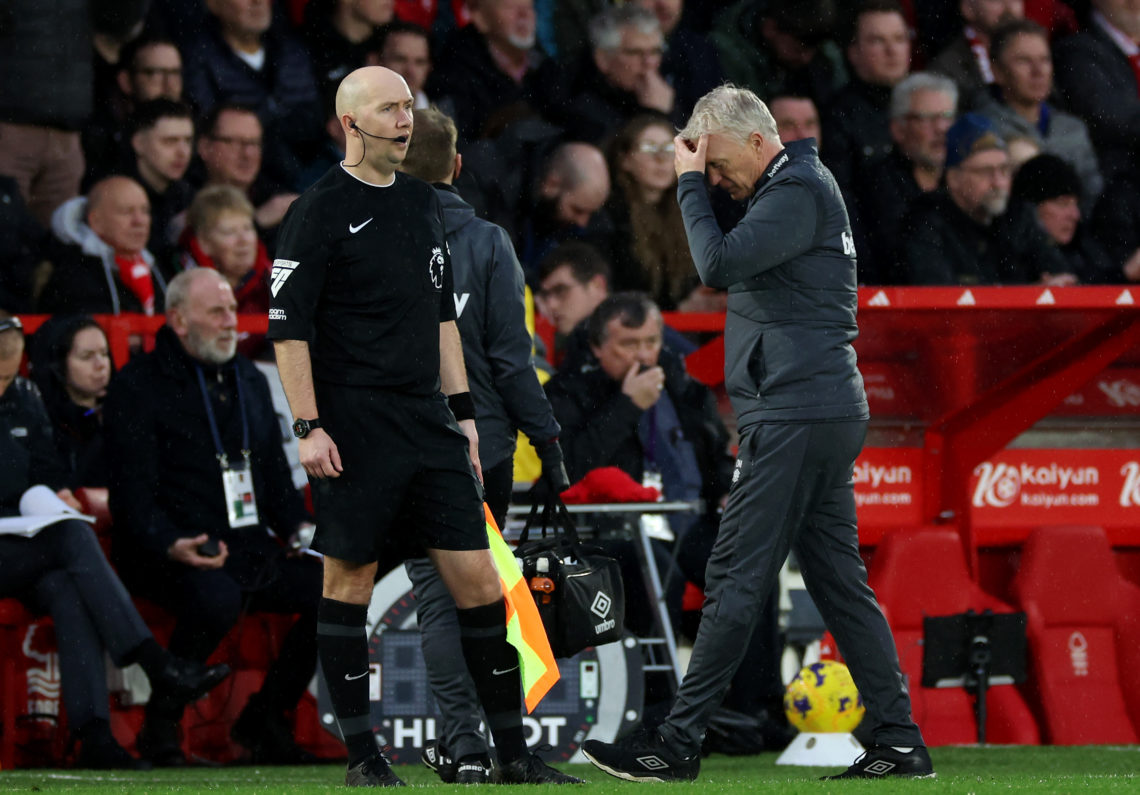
(553, 466)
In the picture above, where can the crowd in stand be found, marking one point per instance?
(150, 150)
(565, 113)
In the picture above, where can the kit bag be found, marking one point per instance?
(578, 590)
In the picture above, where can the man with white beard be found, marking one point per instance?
(968, 232)
(198, 476)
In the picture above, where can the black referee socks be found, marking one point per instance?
(343, 650)
(494, 666)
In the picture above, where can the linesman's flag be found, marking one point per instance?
(524, 626)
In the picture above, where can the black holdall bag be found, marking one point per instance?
(578, 590)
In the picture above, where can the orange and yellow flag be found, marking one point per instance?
(524, 626)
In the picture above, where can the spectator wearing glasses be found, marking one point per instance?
(922, 110)
(149, 68)
(969, 233)
(796, 118)
(649, 249)
(230, 148)
(622, 77)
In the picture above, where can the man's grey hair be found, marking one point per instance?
(733, 112)
(178, 290)
(920, 81)
(605, 27)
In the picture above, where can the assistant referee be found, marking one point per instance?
(363, 323)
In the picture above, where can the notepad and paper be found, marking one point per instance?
(39, 507)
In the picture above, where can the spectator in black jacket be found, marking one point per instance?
(1099, 80)
(22, 241)
(1051, 185)
(61, 571)
(162, 143)
(71, 364)
(100, 264)
(856, 122)
(243, 58)
(1117, 221)
(489, 70)
(46, 91)
(922, 110)
(198, 478)
(339, 34)
(970, 233)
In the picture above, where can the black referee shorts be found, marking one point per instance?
(407, 485)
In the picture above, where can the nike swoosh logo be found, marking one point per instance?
(348, 678)
(353, 229)
(497, 672)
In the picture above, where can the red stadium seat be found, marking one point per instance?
(1073, 594)
(922, 572)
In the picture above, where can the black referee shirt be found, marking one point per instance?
(363, 274)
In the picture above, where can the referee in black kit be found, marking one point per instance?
(789, 268)
(363, 321)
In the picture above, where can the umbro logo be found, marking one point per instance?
(880, 767)
(652, 762)
(354, 228)
(601, 605)
(282, 270)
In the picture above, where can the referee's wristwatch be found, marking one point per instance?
(301, 428)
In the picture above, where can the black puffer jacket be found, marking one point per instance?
(27, 455)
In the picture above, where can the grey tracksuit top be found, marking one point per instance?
(789, 268)
(491, 314)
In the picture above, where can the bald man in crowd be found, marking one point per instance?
(100, 261)
(363, 319)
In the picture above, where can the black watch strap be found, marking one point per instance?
(301, 428)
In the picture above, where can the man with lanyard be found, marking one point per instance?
(363, 319)
(197, 477)
(789, 268)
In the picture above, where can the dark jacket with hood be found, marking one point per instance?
(165, 478)
(789, 268)
(491, 314)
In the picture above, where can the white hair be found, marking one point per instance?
(605, 27)
(731, 111)
(920, 81)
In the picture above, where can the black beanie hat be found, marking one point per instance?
(1045, 177)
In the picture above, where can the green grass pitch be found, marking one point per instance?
(1089, 769)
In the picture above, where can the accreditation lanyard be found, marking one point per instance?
(237, 479)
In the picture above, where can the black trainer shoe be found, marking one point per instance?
(473, 770)
(642, 756)
(187, 680)
(372, 772)
(436, 759)
(883, 761)
(529, 769)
